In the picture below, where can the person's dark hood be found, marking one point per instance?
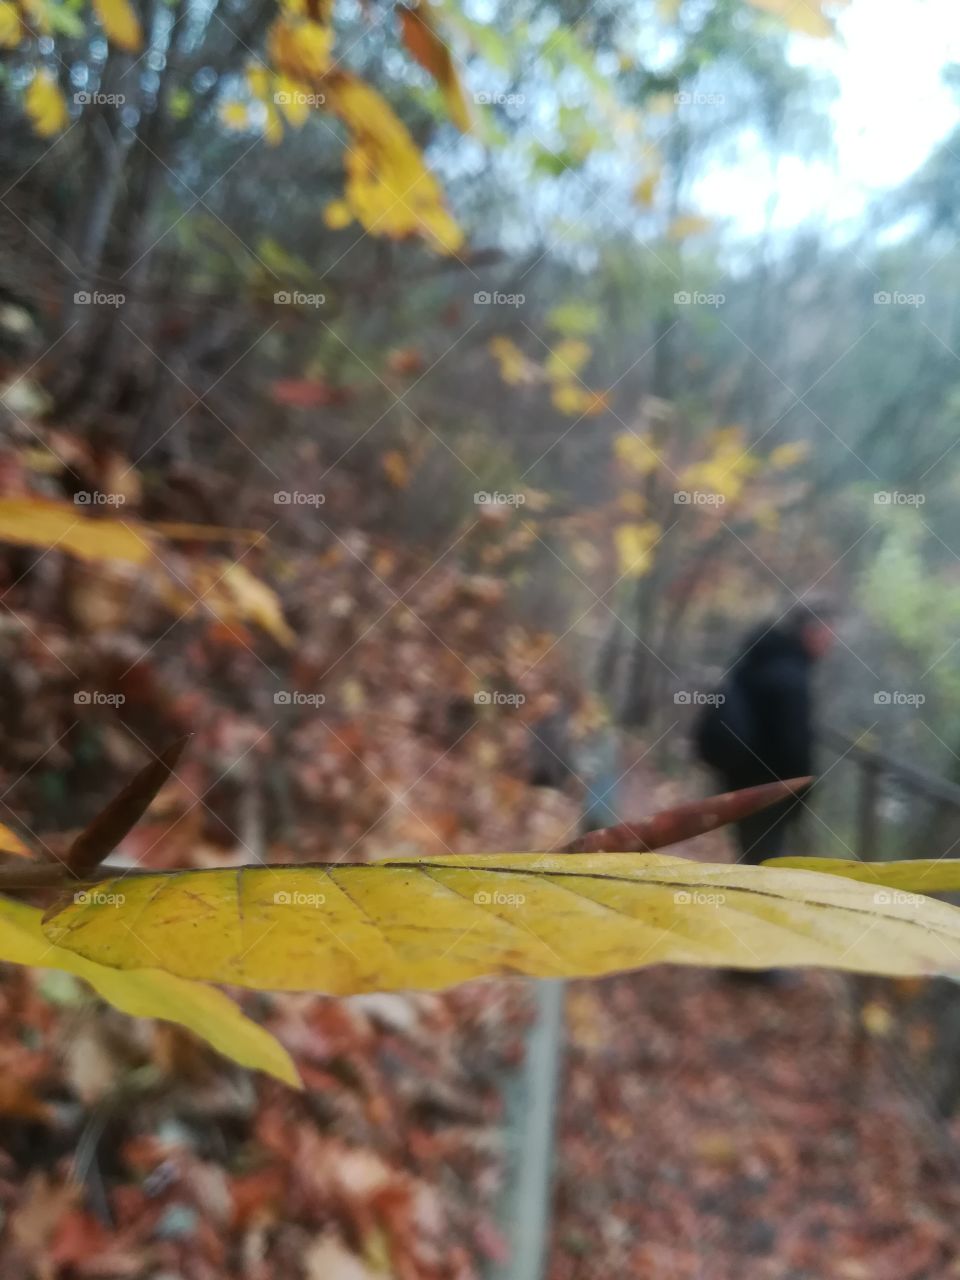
(769, 643)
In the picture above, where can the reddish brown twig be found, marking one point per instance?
(685, 821)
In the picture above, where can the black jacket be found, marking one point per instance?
(763, 728)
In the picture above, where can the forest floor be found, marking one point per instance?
(713, 1128)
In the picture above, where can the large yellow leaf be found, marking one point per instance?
(915, 875)
(46, 105)
(439, 921)
(40, 523)
(120, 22)
(150, 993)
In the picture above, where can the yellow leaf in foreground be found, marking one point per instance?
(120, 22)
(39, 523)
(915, 875)
(635, 545)
(150, 993)
(46, 105)
(435, 922)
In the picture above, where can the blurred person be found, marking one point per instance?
(760, 726)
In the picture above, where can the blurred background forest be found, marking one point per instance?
(415, 403)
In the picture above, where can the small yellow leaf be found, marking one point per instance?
(788, 455)
(295, 100)
(11, 31)
(40, 523)
(46, 105)
(689, 224)
(149, 993)
(396, 468)
(567, 358)
(120, 22)
(634, 452)
(430, 923)
(337, 214)
(804, 16)
(635, 544)
(235, 115)
(10, 842)
(300, 49)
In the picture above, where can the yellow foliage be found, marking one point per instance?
(728, 467)
(337, 215)
(435, 922)
(634, 452)
(916, 875)
(10, 842)
(388, 187)
(567, 358)
(635, 544)
(149, 993)
(11, 31)
(515, 368)
(788, 455)
(689, 224)
(235, 115)
(577, 401)
(804, 16)
(300, 49)
(46, 105)
(120, 22)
